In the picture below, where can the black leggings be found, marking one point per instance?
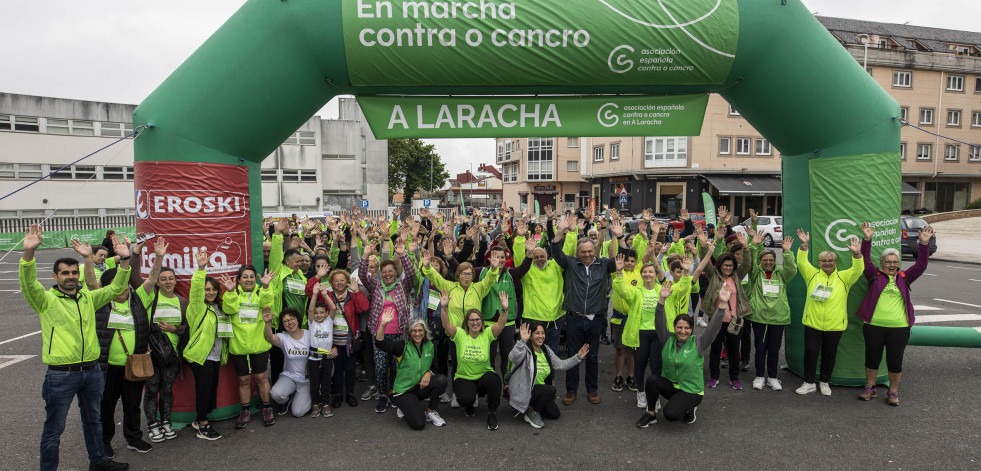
(344, 372)
(205, 387)
(648, 353)
(162, 383)
(679, 402)
(767, 340)
(825, 343)
(321, 372)
(746, 341)
(467, 390)
(442, 344)
(543, 401)
(411, 405)
(893, 339)
(732, 352)
(503, 345)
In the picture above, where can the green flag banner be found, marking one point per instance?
(709, 208)
(486, 43)
(437, 117)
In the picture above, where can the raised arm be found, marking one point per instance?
(267, 332)
(159, 250)
(803, 264)
(32, 289)
(870, 269)
(854, 272)
(85, 250)
(502, 319)
(789, 270)
(705, 339)
(444, 313)
(660, 316)
(922, 255)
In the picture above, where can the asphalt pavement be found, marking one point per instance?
(937, 425)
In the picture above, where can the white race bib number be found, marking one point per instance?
(771, 288)
(821, 293)
(248, 313)
(433, 301)
(120, 319)
(295, 286)
(225, 327)
(167, 313)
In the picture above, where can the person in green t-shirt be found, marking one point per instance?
(534, 366)
(474, 375)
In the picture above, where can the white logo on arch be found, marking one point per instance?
(622, 61)
(606, 116)
(840, 235)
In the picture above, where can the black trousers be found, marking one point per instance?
(679, 402)
(276, 359)
(746, 341)
(321, 372)
(131, 392)
(893, 339)
(411, 402)
(489, 384)
(543, 401)
(825, 343)
(732, 350)
(442, 344)
(647, 354)
(205, 387)
(344, 372)
(503, 345)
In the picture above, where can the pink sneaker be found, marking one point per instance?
(713, 383)
(736, 385)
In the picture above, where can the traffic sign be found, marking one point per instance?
(427, 203)
(623, 199)
(364, 204)
(623, 191)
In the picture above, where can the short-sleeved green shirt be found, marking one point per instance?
(890, 311)
(168, 310)
(542, 370)
(472, 354)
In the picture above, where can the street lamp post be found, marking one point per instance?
(865, 57)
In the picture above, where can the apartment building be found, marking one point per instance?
(934, 74)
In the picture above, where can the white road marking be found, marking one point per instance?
(956, 302)
(927, 308)
(965, 268)
(947, 318)
(929, 274)
(972, 279)
(21, 337)
(7, 360)
(15, 291)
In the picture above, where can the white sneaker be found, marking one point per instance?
(806, 388)
(398, 413)
(641, 400)
(825, 389)
(758, 382)
(476, 400)
(453, 403)
(445, 398)
(701, 322)
(774, 384)
(434, 418)
(155, 432)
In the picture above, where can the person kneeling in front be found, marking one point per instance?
(533, 367)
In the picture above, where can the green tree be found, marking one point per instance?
(411, 164)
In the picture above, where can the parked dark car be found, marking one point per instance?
(911, 233)
(697, 219)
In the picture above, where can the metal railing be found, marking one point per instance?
(67, 223)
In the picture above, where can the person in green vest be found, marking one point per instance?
(541, 289)
(491, 307)
(771, 310)
(207, 347)
(70, 348)
(682, 380)
(415, 380)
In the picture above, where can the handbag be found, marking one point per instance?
(735, 325)
(139, 366)
(161, 350)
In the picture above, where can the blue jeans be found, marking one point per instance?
(58, 390)
(580, 331)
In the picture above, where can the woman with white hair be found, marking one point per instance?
(414, 377)
(887, 310)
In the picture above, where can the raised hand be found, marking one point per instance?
(121, 247)
(868, 229)
(753, 215)
(444, 298)
(201, 256)
(323, 271)
(684, 215)
(400, 247)
(525, 332)
(529, 246)
(787, 243)
(757, 236)
(646, 214)
(616, 228)
(282, 226)
(160, 247)
(854, 245)
(619, 262)
(926, 234)
(352, 286)
(266, 278)
(32, 237)
(228, 282)
(723, 213)
(504, 300)
(804, 237)
(426, 259)
(741, 238)
(522, 229)
(267, 314)
(724, 294)
(369, 249)
(686, 263)
(387, 316)
(666, 289)
(702, 236)
(82, 248)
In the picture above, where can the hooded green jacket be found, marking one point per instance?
(772, 310)
(202, 320)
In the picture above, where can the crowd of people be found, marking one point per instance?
(442, 308)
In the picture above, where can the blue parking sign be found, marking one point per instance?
(427, 203)
(364, 204)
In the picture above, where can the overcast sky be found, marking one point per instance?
(120, 50)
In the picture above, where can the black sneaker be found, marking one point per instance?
(284, 407)
(604, 339)
(744, 365)
(646, 420)
(690, 416)
(140, 446)
(352, 401)
(207, 432)
(110, 453)
(108, 465)
(470, 411)
(631, 384)
(336, 400)
(382, 405)
(362, 377)
(492, 421)
(618, 383)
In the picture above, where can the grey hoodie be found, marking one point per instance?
(523, 373)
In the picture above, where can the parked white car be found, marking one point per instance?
(770, 226)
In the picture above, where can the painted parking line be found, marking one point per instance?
(927, 308)
(947, 318)
(929, 274)
(965, 268)
(7, 360)
(21, 337)
(956, 302)
(972, 279)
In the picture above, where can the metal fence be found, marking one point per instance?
(67, 223)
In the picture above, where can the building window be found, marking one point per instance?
(6, 122)
(339, 157)
(70, 126)
(950, 152)
(666, 152)
(954, 118)
(308, 175)
(58, 126)
(303, 138)
(976, 119)
(115, 173)
(904, 113)
(500, 152)
(573, 142)
(924, 151)
(18, 123)
(540, 151)
(572, 165)
(507, 151)
(974, 153)
(32, 171)
(364, 182)
(977, 84)
(615, 151)
(926, 115)
(725, 145)
(364, 149)
(514, 172)
(763, 147)
(955, 83)
(84, 172)
(598, 154)
(6, 170)
(742, 145)
(733, 112)
(902, 151)
(110, 129)
(270, 175)
(902, 78)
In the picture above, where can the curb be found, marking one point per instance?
(954, 260)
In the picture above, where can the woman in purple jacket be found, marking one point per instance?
(887, 311)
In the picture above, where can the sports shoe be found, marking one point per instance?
(434, 418)
(284, 407)
(701, 322)
(140, 446)
(155, 432)
(825, 389)
(454, 403)
(315, 410)
(736, 385)
(774, 384)
(646, 420)
(362, 377)
(244, 418)
(371, 393)
(868, 393)
(806, 388)
(382, 405)
(605, 339)
(108, 465)
(690, 416)
(268, 418)
(758, 382)
(725, 354)
(631, 383)
(618, 383)
(445, 398)
(593, 397)
(398, 412)
(641, 400)
(207, 432)
(470, 411)
(169, 433)
(744, 365)
(569, 398)
(325, 411)
(893, 399)
(336, 400)
(351, 401)
(110, 453)
(713, 383)
(492, 421)
(657, 405)
(534, 419)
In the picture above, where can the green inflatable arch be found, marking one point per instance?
(276, 62)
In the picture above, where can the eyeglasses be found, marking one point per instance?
(891, 262)
(828, 261)
(475, 320)
(466, 273)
